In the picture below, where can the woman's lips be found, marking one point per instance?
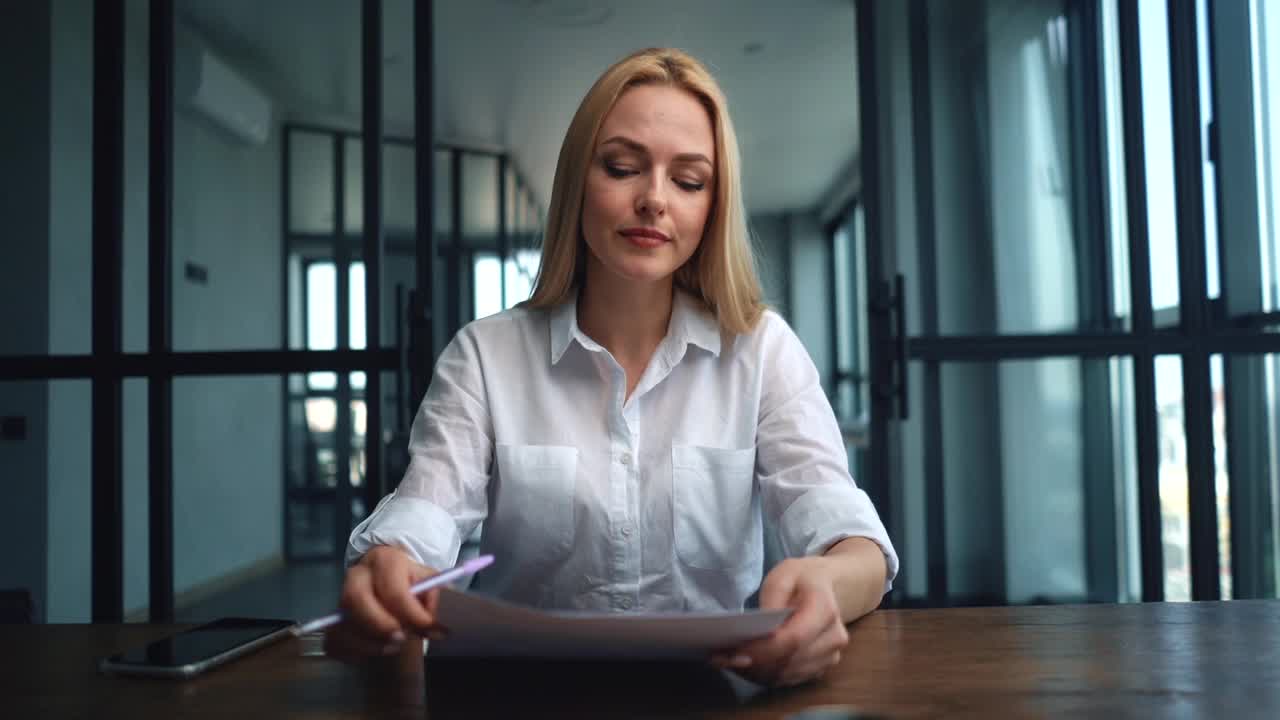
(645, 237)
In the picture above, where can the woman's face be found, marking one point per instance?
(649, 185)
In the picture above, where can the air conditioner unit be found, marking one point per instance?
(207, 84)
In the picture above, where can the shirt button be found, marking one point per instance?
(625, 603)
(626, 531)
(626, 458)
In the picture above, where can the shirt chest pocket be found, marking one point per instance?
(533, 512)
(717, 520)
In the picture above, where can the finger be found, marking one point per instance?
(392, 590)
(431, 601)
(362, 608)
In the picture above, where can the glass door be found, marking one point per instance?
(1002, 378)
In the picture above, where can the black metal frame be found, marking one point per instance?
(1196, 393)
(108, 239)
(423, 315)
(342, 309)
(879, 461)
(286, 200)
(838, 373)
(504, 242)
(160, 586)
(1147, 435)
(371, 75)
(453, 277)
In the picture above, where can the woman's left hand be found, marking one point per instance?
(809, 642)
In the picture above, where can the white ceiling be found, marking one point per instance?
(510, 73)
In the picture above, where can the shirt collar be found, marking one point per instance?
(564, 327)
(691, 324)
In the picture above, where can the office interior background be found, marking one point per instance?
(1031, 247)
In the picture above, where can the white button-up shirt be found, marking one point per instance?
(591, 500)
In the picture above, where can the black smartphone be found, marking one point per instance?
(194, 651)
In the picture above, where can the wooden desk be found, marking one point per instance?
(1204, 659)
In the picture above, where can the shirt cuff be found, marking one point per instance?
(415, 525)
(825, 515)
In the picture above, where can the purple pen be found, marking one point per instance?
(468, 568)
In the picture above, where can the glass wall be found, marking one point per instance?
(1028, 149)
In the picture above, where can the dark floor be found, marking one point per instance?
(298, 591)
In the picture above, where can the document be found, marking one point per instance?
(483, 626)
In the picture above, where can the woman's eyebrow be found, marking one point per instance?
(637, 147)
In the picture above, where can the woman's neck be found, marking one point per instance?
(628, 319)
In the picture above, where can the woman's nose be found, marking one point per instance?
(652, 200)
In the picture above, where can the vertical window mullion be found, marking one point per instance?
(1189, 188)
(1147, 431)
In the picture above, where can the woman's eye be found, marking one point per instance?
(690, 186)
(616, 171)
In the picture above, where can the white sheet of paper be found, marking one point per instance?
(483, 626)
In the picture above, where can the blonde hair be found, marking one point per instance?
(721, 272)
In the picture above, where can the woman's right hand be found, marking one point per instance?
(379, 610)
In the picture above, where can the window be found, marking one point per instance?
(490, 295)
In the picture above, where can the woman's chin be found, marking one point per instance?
(642, 270)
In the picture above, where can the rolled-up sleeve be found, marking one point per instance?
(806, 490)
(442, 497)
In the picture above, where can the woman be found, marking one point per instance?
(625, 432)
